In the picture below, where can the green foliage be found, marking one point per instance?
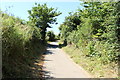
(70, 24)
(19, 47)
(42, 16)
(93, 65)
(94, 30)
(51, 36)
(23, 42)
(57, 37)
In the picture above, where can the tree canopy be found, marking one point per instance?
(42, 16)
(95, 26)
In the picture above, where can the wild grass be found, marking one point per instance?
(21, 49)
(92, 65)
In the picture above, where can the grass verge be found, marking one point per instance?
(92, 65)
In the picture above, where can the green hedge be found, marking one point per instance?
(21, 44)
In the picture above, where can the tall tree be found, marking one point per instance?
(70, 24)
(42, 16)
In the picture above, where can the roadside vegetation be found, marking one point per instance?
(23, 42)
(50, 36)
(92, 37)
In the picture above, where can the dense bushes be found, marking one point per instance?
(21, 43)
(97, 33)
(50, 36)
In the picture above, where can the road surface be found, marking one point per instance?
(57, 64)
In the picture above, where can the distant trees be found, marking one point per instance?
(42, 16)
(51, 36)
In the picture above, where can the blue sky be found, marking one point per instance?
(19, 9)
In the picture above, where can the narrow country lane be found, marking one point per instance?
(57, 64)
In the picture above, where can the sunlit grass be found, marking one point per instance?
(92, 65)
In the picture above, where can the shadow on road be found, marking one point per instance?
(49, 49)
(52, 46)
(47, 75)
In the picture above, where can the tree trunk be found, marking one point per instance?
(43, 33)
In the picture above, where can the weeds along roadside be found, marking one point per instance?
(21, 46)
(92, 65)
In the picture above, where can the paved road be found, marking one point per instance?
(57, 64)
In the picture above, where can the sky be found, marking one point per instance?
(20, 8)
